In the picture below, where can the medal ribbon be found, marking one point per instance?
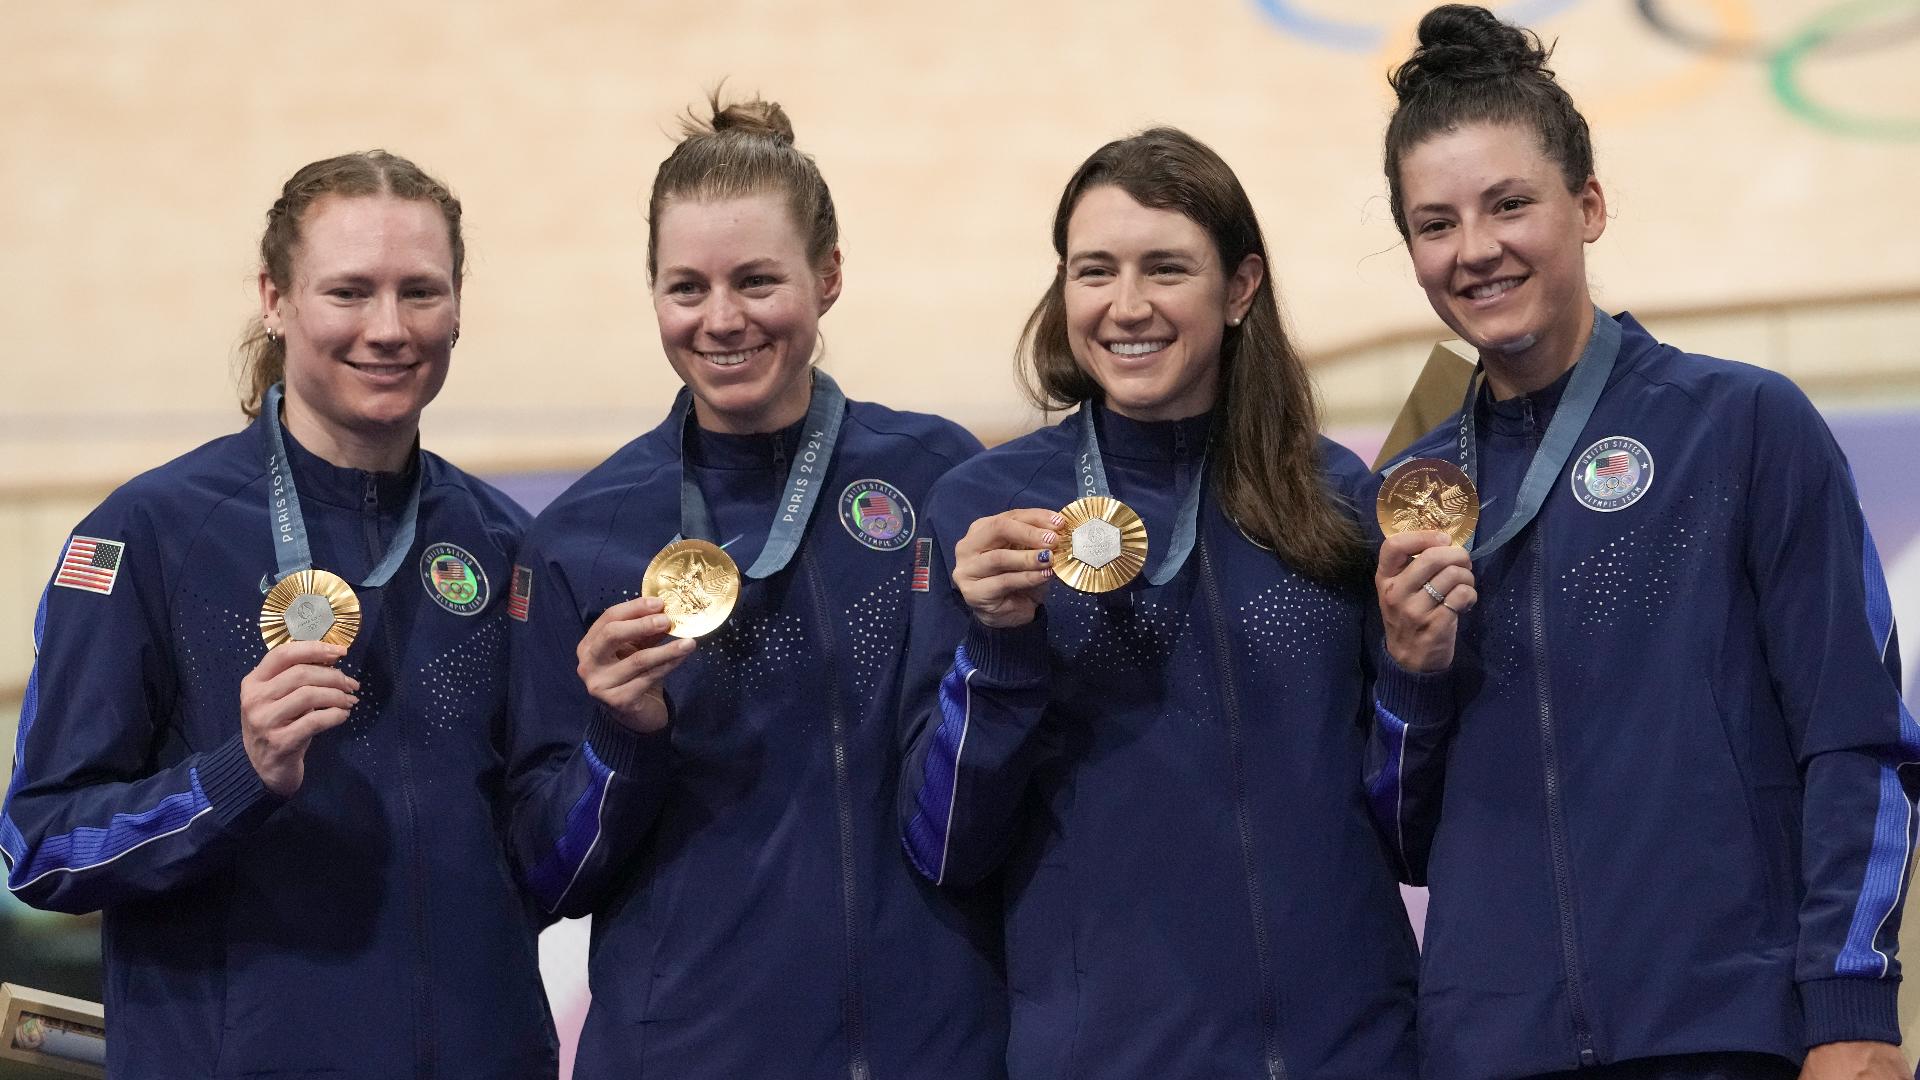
(290, 548)
(1590, 374)
(806, 475)
(1093, 481)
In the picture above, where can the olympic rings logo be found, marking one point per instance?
(1850, 28)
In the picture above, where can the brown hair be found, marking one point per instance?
(745, 149)
(1265, 447)
(1471, 68)
(263, 359)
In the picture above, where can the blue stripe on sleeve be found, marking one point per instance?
(1885, 878)
(12, 845)
(1384, 790)
(554, 876)
(932, 825)
(88, 847)
(30, 701)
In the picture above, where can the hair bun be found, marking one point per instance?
(1464, 42)
(755, 117)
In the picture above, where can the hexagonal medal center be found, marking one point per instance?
(1096, 543)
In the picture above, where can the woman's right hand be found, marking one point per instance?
(291, 695)
(1425, 583)
(1003, 564)
(625, 659)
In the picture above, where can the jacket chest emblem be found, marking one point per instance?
(877, 514)
(1612, 474)
(454, 578)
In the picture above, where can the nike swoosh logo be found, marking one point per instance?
(730, 543)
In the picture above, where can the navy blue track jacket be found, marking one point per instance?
(1658, 797)
(1163, 782)
(366, 927)
(752, 913)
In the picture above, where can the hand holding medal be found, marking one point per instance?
(627, 654)
(1003, 564)
(1427, 509)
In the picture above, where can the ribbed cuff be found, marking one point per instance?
(1010, 656)
(621, 748)
(232, 785)
(1419, 698)
(1851, 1009)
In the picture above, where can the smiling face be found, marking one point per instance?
(739, 308)
(1147, 303)
(368, 316)
(1499, 246)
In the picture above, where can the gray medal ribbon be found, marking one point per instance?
(806, 475)
(291, 551)
(1092, 471)
(1590, 374)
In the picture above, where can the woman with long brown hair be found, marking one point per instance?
(1159, 754)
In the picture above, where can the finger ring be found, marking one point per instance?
(1438, 596)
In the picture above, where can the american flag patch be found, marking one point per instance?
(1614, 464)
(90, 564)
(923, 564)
(521, 594)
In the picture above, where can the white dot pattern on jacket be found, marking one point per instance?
(875, 622)
(758, 649)
(461, 683)
(1117, 633)
(1630, 580)
(1288, 621)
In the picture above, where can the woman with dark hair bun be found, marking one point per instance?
(705, 665)
(1644, 741)
(1154, 760)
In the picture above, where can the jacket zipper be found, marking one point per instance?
(1556, 818)
(851, 1005)
(1269, 1022)
(423, 1022)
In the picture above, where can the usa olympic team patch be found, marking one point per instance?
(454, 578)
(877, 514)
(1612, 474)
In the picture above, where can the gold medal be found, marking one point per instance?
(1428, 494)
(310, 605)
(699, 583)
(1100, 546)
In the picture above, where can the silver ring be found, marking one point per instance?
(1438, 596)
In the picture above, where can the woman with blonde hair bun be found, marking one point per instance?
(721, 804)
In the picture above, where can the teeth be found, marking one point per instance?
(730, 359)
(1136, 348)
(1492, 288)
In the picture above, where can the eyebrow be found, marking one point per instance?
(745, 267)
(1156, 253)
(1493, 191)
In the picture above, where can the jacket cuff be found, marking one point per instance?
(227, 777)
(621, 748)
(1417, 698)
(1010, 656)
(1850, 1009)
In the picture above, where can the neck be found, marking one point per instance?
(1535, 367)
(385, 450)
